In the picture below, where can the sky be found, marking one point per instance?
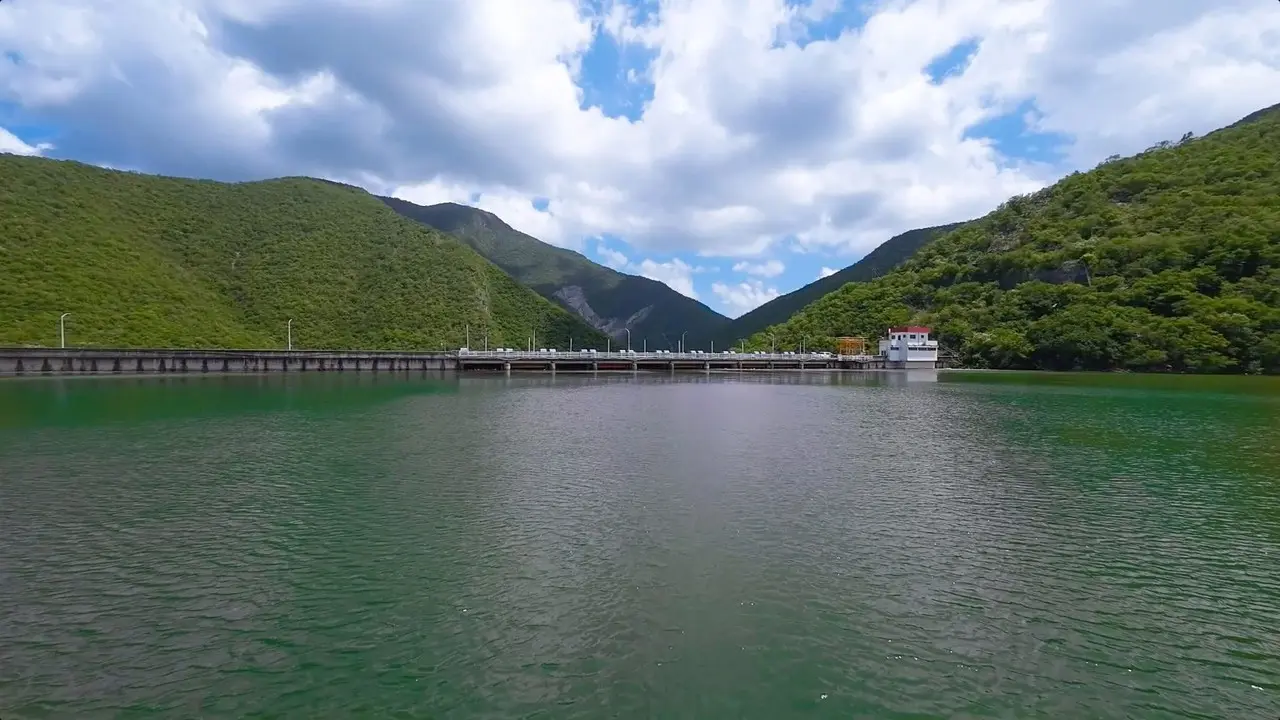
(733, 149)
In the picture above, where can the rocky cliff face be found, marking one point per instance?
(575, 298)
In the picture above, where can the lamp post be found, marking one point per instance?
(468, 336)
(62, 329)
(628, 338)
(686, 332)
(288, 330)
(773, 344)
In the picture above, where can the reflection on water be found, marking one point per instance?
(873, 544)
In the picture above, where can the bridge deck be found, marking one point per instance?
(26, 361)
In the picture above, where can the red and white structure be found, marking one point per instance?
(909, 346)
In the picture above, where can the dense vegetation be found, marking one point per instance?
(888, 255)
(609, 300)
(146, 261)
(1167, 261)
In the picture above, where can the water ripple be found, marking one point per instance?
(860, 546)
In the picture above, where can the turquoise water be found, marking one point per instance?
(875, 545)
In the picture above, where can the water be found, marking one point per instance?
(876, 545)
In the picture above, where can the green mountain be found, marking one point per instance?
(885, 257)
(145, 261)
(608, 300)
(1166, 261)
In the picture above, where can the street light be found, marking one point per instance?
(628, 338)
(288, 330)
(686, 332)
(62, 329)
(773, 344)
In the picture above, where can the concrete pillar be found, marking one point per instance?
(635, 366)
(553, 367)
(506, 368)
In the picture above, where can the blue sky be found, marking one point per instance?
(734, 149)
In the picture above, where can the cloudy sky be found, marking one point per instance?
(734, 149)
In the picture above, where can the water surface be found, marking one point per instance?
(771, 546)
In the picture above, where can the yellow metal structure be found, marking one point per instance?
(851, 346)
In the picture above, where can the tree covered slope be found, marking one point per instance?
(885, 257)
(145, 261)
(610, 301)
(1169, 260)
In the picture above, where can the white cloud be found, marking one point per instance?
(753, 141)
(10, 143)
(675, 273)
(827, 272)
(744, 296)
(613, 258)
(767, 269)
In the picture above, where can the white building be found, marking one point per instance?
(909, 346)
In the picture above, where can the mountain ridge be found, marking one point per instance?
(1168, 260)
(613, 302)
(153, 261)
(883, 258)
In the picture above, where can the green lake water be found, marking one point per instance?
(879, 545)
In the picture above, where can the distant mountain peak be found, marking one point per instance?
(610, 301)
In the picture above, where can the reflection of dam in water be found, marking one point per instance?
(89, 401)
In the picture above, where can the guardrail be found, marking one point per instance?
(587, 355)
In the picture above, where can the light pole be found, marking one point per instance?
(288, 330)
(645, 345)
(773, 344)
(628, 338)
(468, 336)
(713, 347)
(686, 332)
(62, 329)
(608, 345)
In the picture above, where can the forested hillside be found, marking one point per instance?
(888, 255)
(1167, 261)
(608, 300)
(145, 261)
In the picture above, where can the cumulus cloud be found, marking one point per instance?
(744, 296)
(827, 272)
(675, 273)
(767, 269)
(757, 136)
(10, 143)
